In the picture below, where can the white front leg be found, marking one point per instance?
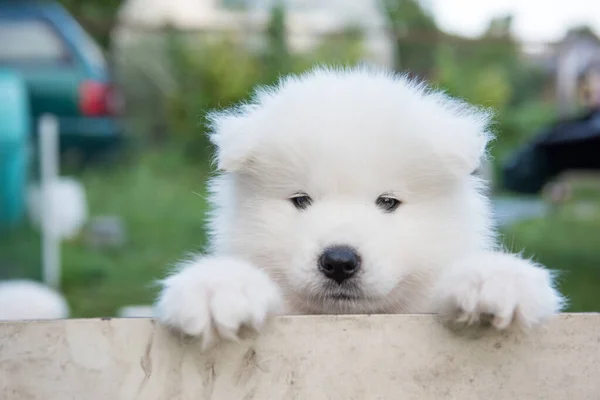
(500, 287)
(214, 297)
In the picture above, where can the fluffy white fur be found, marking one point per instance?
(28, 300)
(345, 137)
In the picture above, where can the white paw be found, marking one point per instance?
(214, 297)
(498, 288)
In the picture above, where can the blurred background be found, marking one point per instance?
(129, 83)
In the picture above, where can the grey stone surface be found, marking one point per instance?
(105, 231)
(301, 357)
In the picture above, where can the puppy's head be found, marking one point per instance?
(352, 188)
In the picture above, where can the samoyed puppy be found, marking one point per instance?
(347, 191)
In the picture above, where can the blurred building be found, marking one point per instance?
(577, 61)
(574, 62)
(589, 84)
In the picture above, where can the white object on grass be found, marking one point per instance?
(70, 215)
(29, 300)
(137, 311)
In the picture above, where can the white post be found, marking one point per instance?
(48, 152)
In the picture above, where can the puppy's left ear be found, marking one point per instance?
(463, 141)
(233, 136)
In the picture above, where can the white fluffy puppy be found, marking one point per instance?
(351, 191)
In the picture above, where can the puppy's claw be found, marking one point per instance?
(497, 289)
(214, 297)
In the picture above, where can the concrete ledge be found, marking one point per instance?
(343, 357)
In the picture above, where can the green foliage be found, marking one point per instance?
(345, 49)
(409, 20)
(92, 8)
(209, 75)
(277, 54)
(487, 71)
(96, 16)
(490, 72)
(213, 72)
(489, 87)
(218, 73)
(517, 124)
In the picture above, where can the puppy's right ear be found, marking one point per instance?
(232, 134)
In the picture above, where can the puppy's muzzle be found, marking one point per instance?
(339, 263)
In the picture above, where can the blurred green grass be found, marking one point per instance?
(160, 199)
(569, 243)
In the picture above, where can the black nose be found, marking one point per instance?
(339, 263)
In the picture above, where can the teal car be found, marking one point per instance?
(65, 72)
(14, 148)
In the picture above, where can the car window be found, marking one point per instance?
(30, 41)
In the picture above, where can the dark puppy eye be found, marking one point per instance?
(301, 201)
(387, 203)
